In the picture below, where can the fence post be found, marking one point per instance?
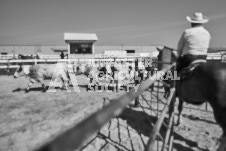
(155, 131)
(170, 129)
(171, 114)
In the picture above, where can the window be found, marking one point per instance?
(81, 48)
(130, 51)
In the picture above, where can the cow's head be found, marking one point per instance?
(21, 71)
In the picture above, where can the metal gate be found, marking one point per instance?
(73, 138)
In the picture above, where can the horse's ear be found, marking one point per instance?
(175, 54)
(158, 49)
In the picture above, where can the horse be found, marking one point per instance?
(207, 83)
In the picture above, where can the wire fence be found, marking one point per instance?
(73, 138)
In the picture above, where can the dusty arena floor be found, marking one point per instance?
(28, 120)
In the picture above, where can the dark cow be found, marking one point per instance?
(24, 57)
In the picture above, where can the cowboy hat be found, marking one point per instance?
(198, 18)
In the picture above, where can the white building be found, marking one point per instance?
(80, 43)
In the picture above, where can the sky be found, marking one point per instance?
(116, 22)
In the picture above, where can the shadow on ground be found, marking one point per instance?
(34, 89)
(140, 123)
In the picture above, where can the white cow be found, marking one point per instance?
(40, 72)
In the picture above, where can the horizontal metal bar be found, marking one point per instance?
(38, 60)
(11, 66)
(66, 60)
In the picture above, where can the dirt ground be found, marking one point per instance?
(28, 120)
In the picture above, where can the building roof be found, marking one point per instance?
(217, 50)
(80, 37)
(60, 48)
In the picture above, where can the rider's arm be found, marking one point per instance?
(181, 44)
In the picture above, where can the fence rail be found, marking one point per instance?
(210, 56)
(75, 56)
(15, 63)
(74, 137)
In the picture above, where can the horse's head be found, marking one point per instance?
(166, 55)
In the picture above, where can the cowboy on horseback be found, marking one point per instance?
(207, 81)
(194, 41)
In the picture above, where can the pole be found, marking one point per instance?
(155, 131)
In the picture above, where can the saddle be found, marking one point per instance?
(188, 71)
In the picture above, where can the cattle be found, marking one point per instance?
(40, 72)
(25, 57)
(110, 73)
(95, 73)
